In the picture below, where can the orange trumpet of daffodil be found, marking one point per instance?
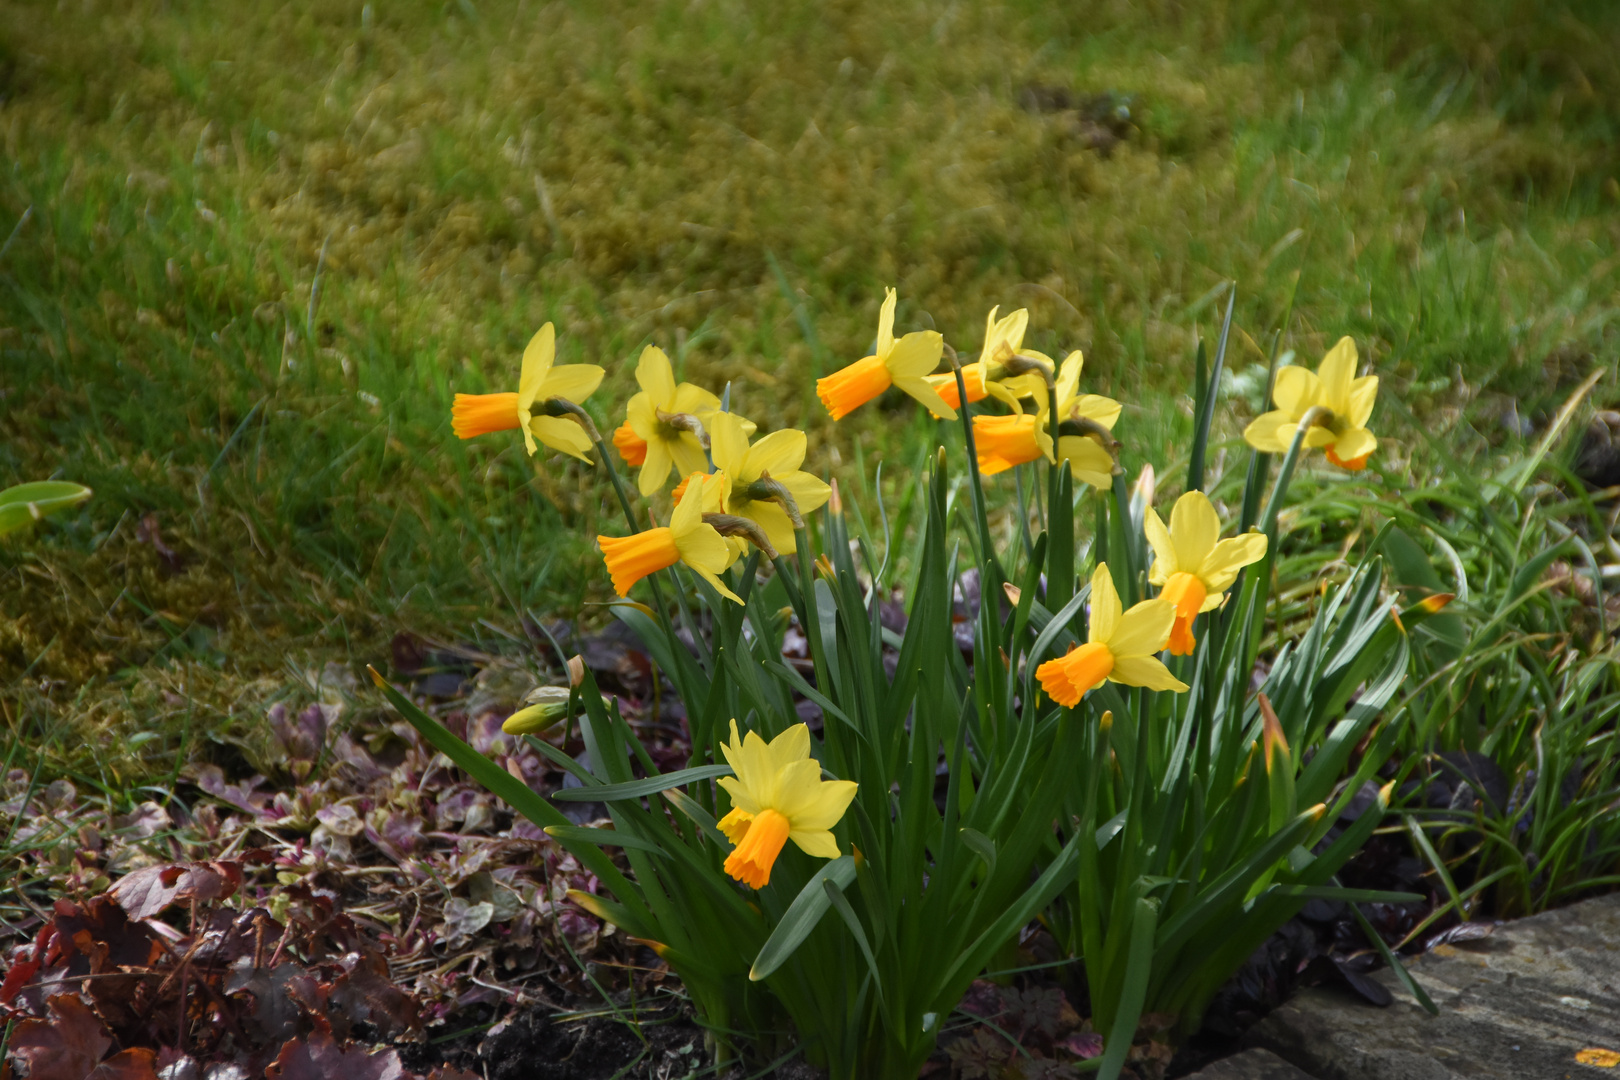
(1345, 403)
(687, 539)
(1120, 648)
(902, 362)
(1192, 566)
(778, 795)
(539, 381)
(767, 485)
(1003, 340)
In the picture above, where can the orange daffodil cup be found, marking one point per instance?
(1192, 566)
(1332, 400)
(540, 382)
(1120, 648)
(778, 795)
(1003, 340)
(686, 539)
(902, 362)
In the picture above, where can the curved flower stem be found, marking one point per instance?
(557, 406)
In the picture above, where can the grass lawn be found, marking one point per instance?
(254, 248)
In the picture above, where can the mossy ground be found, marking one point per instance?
(258, 246)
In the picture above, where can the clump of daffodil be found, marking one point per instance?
(1331, 403)
(688, 539)
(903, 362)
(778, 795)
(1121, 647)
(1002, 355)
(1192, 566)
(665, 422)
(556, 391)
(766, 483)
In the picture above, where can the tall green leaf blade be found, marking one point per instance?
(801, 917)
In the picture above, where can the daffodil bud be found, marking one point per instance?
(550, 704)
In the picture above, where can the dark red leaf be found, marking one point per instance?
(65, 1047)
(319, 1058)
(366, 993)
(132, 1064)
(147, 892)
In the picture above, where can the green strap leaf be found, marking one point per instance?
(1395, 964)
(602, 837)
(801, 917)
(24, 504)
(1137, 970)
(636, 789)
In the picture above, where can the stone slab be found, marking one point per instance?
(1518, 1005)
(1253, 1064)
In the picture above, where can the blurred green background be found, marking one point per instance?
(254, 248)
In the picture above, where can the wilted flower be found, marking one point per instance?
(905, 363)
(1192, 566)
(539, 381)
(778, 795)
(1331, 400)
(1120, 647)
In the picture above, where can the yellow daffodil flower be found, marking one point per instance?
(903, 362)
(1120, 648)
(1003, 340)
(1345, 404)
(1192, 566)
(687, 538)
(666, 418)
(1084, 420)
(778, 795)
(762, 474)
(539, 381)
(1000, 442)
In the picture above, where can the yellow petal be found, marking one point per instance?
(819, 806)
(778, 453)
(1194, 528)
(1105, 606)
(714, 580)
(571, 382)
(817, 843)
(655, 469)
(698, 402)
(688, 454)
(1104, 410)
(1002, 339)
(791, 746)
(1264, 433)
(1164, 550)
(741, 797)
(1297, 390)
(1356, 443)
(777, 525)
(656, 376)
(1143, 630)
(537, 359)
(1318, 437)
(1221, 566)
(563, 434)
(728, 445)
(885, 334)
(1337, 370)
(1067, 385)
(926, 395)
(914, 355)
(1363, 394)
(807, 490)
(688, 514)
(1089, 462)
(1145, 671)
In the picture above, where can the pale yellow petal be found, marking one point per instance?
(885, 334)
(656, 375)
(808, 491)
(1090, 463)
(1221, 566)
(778, 453)
(571, 382)
(537, 360)
(688, 454)
(1145, 671)
(1143, 630)
(695, 400)
(1194, 528)
(818, 804)
(1164, 550)
(1337, 370)
(741, 797)
(915, 355)
(1363, 395)
(1318, 437)
(777, 525)
(792, 745)
(1067, 385)
(1297, 389)
(1264, 433)
(1105, 606)
(563, 434)
(639, 414)
(714, 580)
